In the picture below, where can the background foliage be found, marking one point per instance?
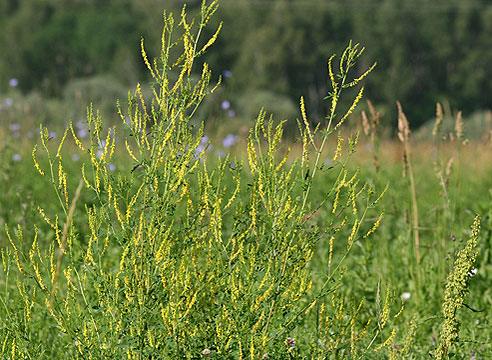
(427, 51)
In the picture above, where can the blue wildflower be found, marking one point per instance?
(225, 105)
(230, 140)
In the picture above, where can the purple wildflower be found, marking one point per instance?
(128, 121)
(14, 127)
(13, 82)
(225, 105)
(231, 113)
(16, 157)
(82, 133)
(8, 102)
(199, 149)
(230, 140)
(112, 167)
(227, 73)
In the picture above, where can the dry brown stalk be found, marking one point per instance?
(404, 136)
(439, 117)
(459, 127)
(370, 129)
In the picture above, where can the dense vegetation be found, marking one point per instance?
(427, 51)
(159, 238)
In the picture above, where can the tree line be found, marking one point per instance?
(426, 51)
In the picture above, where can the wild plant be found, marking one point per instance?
(404, 137)
(177, 257)
(456, 291)
(370, 128)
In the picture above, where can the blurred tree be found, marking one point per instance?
(427, 50)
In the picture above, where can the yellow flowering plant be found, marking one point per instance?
(178, 257)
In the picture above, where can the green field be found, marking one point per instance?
(159, 237)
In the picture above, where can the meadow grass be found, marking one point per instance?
(148, 245)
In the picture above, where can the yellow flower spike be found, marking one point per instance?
(305, 120)
(110, 195)
(353, 233)
(310, 307)
(252, 348)
(34, 244)
(36, 164)
(352, 179)
(52, 263)
(252, 157)
(146, 59)
(330, 254)
(388, 340)
(364, 331)
(106, 144)
(106, 241)
(357, 80)
(42, 136)
(141, 124)
(39, 277)
(14, 351)
(132, 203)
(84, 177)
(330, 73)
(335, 201)
(129, 150)
(75, 138)
(398, 314)
(4, 263)
(382, 194)
(68, 276)
(211, 41)
(353, 196)
(385, 311)
(338, 151)
(351, 109)
(60, 174)
(150, 338)
(259, 300)
(139, 235)
(57, 235)
(65, 191)
(48, 221)
(345, 57)
(61, 143)
(98, 179)
(16, 252)
(375, 226)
